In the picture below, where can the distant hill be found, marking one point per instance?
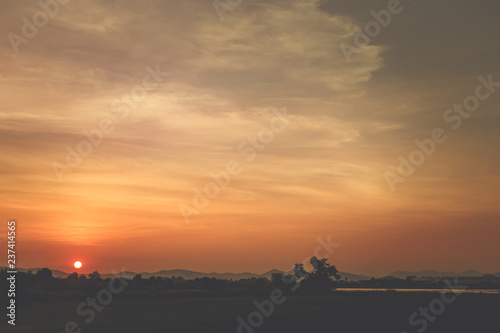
(124, 274)
(404, 274)
(353, 277)
(390, 277)
(187, 274)
(343, 275)
(55, 272)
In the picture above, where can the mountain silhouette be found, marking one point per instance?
(404, 274)
(187, 274)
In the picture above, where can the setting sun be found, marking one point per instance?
(77, 264)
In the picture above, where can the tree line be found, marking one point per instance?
(319, 279)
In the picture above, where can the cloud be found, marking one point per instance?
(348, 124)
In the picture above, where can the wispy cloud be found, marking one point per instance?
(351, 120)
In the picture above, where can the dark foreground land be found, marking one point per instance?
(358, 312)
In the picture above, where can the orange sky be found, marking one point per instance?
(321, 175)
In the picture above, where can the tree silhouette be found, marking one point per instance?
(277, 279)
(44, 273)
(320, 278)
(323, 269)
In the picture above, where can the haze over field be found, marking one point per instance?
(321, 175)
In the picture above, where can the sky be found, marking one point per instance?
(311, 120)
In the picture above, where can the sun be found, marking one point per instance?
(77, 264)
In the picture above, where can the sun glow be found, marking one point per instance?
(77, 264)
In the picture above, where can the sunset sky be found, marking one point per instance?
(322, 175)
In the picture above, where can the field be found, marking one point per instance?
(338, 312)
